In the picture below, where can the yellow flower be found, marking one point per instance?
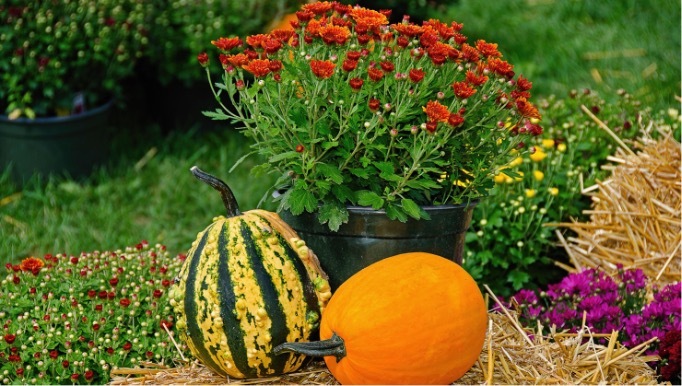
(553, 191)
(538, 175)
(519, 178)
(561, 147)
(516, 162)
(539, 155)
(548, 143)
(499, 178)
(530, 193)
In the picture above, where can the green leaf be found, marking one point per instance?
(518, 279)
(283, 156)
(343, 193)
(368, 198)
(330, 172)
(422, 184)
(329, 144)
(301, 200)
(411, 208)
(385, 167)
(395, 213)
(333, 215)
(216, 116)
(360, 172)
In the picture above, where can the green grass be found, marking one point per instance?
(159, 200)
(574, 44)
(560, 45)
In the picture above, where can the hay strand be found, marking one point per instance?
(635, 218)
(507, 358)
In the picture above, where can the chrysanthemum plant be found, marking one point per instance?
(349, 110)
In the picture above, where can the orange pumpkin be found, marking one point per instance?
(283, 23)
(414, 318)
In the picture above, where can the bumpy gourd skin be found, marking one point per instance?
(414, 318)
(248, 284)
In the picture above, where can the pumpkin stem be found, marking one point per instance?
(225, 192)
(332, 346)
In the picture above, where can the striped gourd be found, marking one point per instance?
(248, 284)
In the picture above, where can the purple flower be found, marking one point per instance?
(634, 280)
(590, 302)
(577, 284)
(526, 296)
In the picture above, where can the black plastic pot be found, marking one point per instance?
(369, 236)
(71, 145)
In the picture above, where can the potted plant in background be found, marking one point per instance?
(175, 89)
(374, 128)
(61, 66)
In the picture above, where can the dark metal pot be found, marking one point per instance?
(70, 145)
(369, 236)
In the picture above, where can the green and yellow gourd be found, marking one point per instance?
(248, 284)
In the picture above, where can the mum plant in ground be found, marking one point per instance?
(509, 245)
(607, 304)
(349, 110)
(72, 319)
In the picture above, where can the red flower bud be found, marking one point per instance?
(9, 338)
(203, 59)
(374, 104)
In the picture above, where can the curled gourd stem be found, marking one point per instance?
(225, 192)
(333, 346)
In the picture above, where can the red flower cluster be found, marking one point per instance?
(116, 290)
(348, 82)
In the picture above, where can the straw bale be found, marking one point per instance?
(510, 356)
(635, 218)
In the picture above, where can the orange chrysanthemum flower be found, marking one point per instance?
(272, 45)
(501, 67)
(375, 74)
(322, 69)
(257, 41)
(334, 34)
(527, 109)
(226, 44)
(349, 65)
(368, 17)
(282, 34)
(436, 111)
(315, 26)
(32, 264)
(356, 83)
(439, 52)
(318, 8)
(258, 67)
(463, 90)
(488, 49)
(455, 120)
(416, 75)
(304, 16)
(409, 30)
(238, 60)
(445, 31)
(470, 53)
(474, 79)
(523, 84)
(428, 37)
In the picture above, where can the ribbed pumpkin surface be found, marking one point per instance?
(248, 284)
(414, 318)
